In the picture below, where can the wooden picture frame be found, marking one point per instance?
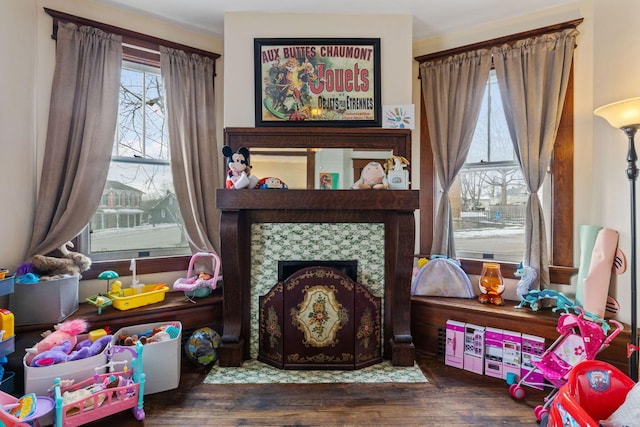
(317, 82)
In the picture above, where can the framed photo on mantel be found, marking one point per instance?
(317, 82)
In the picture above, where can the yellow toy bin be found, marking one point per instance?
(129, 298)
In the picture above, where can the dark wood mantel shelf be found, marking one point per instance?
(393, 208)
(358, 200)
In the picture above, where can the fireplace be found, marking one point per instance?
(286, 268)
(385, 218)
(381, 223)
(319, 317)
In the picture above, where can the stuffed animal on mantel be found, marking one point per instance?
(372, 177)
(239, 173)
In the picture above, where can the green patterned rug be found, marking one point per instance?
(255, 372)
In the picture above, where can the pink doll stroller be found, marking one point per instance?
(201, 284)
(580, 339)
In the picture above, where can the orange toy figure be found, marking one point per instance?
(491, 284)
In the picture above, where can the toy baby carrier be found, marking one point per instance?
(202, 283)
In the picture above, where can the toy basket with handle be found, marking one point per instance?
(200, 284)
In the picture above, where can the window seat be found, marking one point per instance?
(202, 312)
(430, 314)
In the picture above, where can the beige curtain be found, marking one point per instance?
(453, 88)
(532, 76)
(82, 122)
(189, 92)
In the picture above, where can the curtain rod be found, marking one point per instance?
(500, 40)
(133, 39)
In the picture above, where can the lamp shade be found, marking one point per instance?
(621, 114)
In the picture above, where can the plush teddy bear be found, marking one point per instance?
(372, 177)
(239, 174)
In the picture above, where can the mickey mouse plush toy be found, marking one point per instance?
(239, 174)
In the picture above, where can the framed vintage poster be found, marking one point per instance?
(317, 82)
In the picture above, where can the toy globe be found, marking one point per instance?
(202, 346)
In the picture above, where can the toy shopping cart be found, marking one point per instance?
(580, 339)
(102, 394)
(201, 284)
(593, 392)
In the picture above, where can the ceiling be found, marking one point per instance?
(430, 17)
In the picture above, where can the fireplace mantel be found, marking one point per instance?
(241, 208)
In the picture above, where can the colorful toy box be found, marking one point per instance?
(493, 353)
(55, 301)
(454, 352)
(474, 348)
(161, 359)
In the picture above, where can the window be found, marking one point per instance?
(558, 190)
(144, 50)
(489, 196)
(143, 219)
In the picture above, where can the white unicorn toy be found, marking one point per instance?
(527, 276)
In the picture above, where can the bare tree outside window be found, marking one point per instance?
(488, 198)
(138, 215)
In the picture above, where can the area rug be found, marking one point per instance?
(255, 372)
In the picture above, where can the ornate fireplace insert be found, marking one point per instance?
(318, 318)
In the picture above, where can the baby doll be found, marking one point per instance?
(372, 177)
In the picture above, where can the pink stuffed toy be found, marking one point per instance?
(62, 353)
(65, 331)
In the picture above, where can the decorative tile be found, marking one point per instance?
(256, 372)
(271, 242)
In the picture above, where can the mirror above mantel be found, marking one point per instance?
(318, 158)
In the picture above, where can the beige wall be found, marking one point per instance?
(240, 29)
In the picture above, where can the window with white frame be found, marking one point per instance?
(138, 215)
(489, 196)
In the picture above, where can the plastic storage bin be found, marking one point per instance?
(6, 285)
(8, 382)
(50, 301)
(161, 359)
(39, 379)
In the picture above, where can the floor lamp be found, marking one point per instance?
(625, 115)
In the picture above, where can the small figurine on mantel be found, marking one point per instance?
(372, 177)
(239, 173)
(397, 173)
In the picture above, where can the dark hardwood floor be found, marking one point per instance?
(451, 398)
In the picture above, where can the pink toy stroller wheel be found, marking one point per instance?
(540, 412)
(517, 391)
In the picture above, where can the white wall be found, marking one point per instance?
(616, 76)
